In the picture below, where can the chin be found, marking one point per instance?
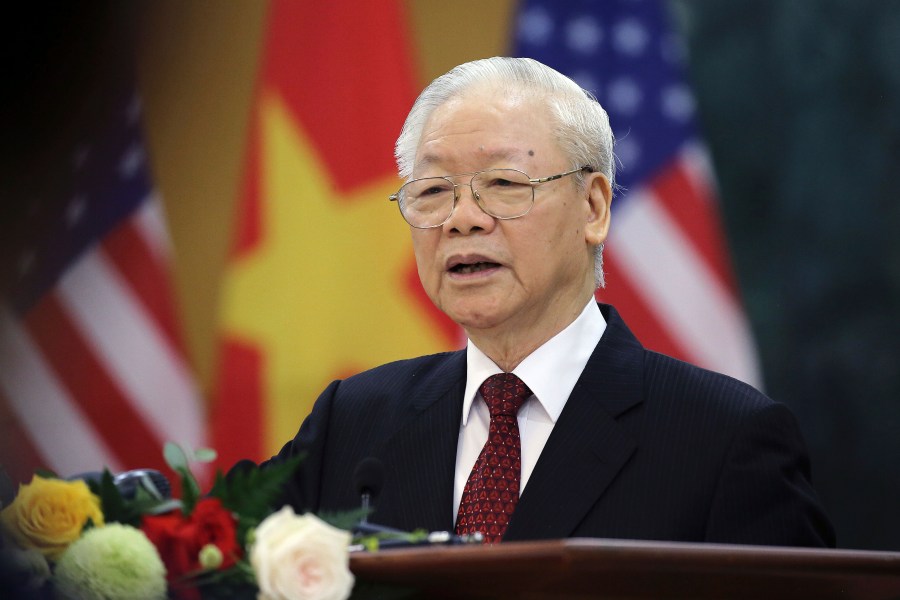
(474, 308)
(475, 318)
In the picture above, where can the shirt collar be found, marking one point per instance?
(551, 371)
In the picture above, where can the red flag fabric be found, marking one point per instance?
(321, 281)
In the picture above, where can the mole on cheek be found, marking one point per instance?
(531, 153)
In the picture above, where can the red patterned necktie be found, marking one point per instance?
(492, 490)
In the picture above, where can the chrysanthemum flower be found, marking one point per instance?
(116, 561)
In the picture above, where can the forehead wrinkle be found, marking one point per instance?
(489, 156)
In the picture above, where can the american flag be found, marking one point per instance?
(667, 265)
(92, 371)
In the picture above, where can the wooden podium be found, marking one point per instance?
(617, 569)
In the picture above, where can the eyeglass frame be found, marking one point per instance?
(395, 197)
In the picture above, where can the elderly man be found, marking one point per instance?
(554, 421)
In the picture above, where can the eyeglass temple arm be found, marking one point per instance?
(561, 175)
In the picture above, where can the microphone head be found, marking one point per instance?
(369, 476)
(129, 482)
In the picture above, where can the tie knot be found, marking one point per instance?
(504, 393)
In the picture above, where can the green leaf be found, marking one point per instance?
(175, 456)
(177, 459)
(190, 490)
(236, 583)
(205, 455)
(253, 493)
(46, 474)
(147, 490)
(163, 507)
(89, 524)
(111, 501)
(118, 509)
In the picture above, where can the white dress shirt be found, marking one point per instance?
(550, 372)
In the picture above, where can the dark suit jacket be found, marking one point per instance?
(647, 447)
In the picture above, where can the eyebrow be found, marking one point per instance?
(499, 154)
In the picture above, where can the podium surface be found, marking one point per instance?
(619, 569)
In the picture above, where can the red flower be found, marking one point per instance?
(179, 539)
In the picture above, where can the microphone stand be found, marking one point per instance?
(366, 505)
(388, 537)
(368, 477)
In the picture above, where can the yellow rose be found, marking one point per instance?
(49, 514)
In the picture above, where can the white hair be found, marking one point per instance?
(581, 125)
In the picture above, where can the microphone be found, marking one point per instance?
(128, 482)
(368, 478)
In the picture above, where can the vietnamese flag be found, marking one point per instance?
(321, 281)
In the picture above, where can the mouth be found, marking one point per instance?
(465, 269)
(467, 265)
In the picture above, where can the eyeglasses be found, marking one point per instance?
(502, 193)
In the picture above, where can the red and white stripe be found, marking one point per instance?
(95, 375)
(668, 272)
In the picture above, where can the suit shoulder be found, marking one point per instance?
(407, 367)
(404, 373)
(671, 377)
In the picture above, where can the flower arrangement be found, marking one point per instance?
(86, 540)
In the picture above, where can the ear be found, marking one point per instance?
(599, 198)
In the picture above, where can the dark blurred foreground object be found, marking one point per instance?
(128, 482)
(7, 488)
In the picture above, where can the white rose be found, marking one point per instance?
(301, 558)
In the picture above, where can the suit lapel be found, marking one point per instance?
(587, 447)
(420, 457)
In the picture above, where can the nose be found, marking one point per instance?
(468, 217)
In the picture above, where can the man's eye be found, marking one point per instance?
(505, 184)
(436, 189)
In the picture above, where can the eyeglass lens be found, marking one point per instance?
(503, 193)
